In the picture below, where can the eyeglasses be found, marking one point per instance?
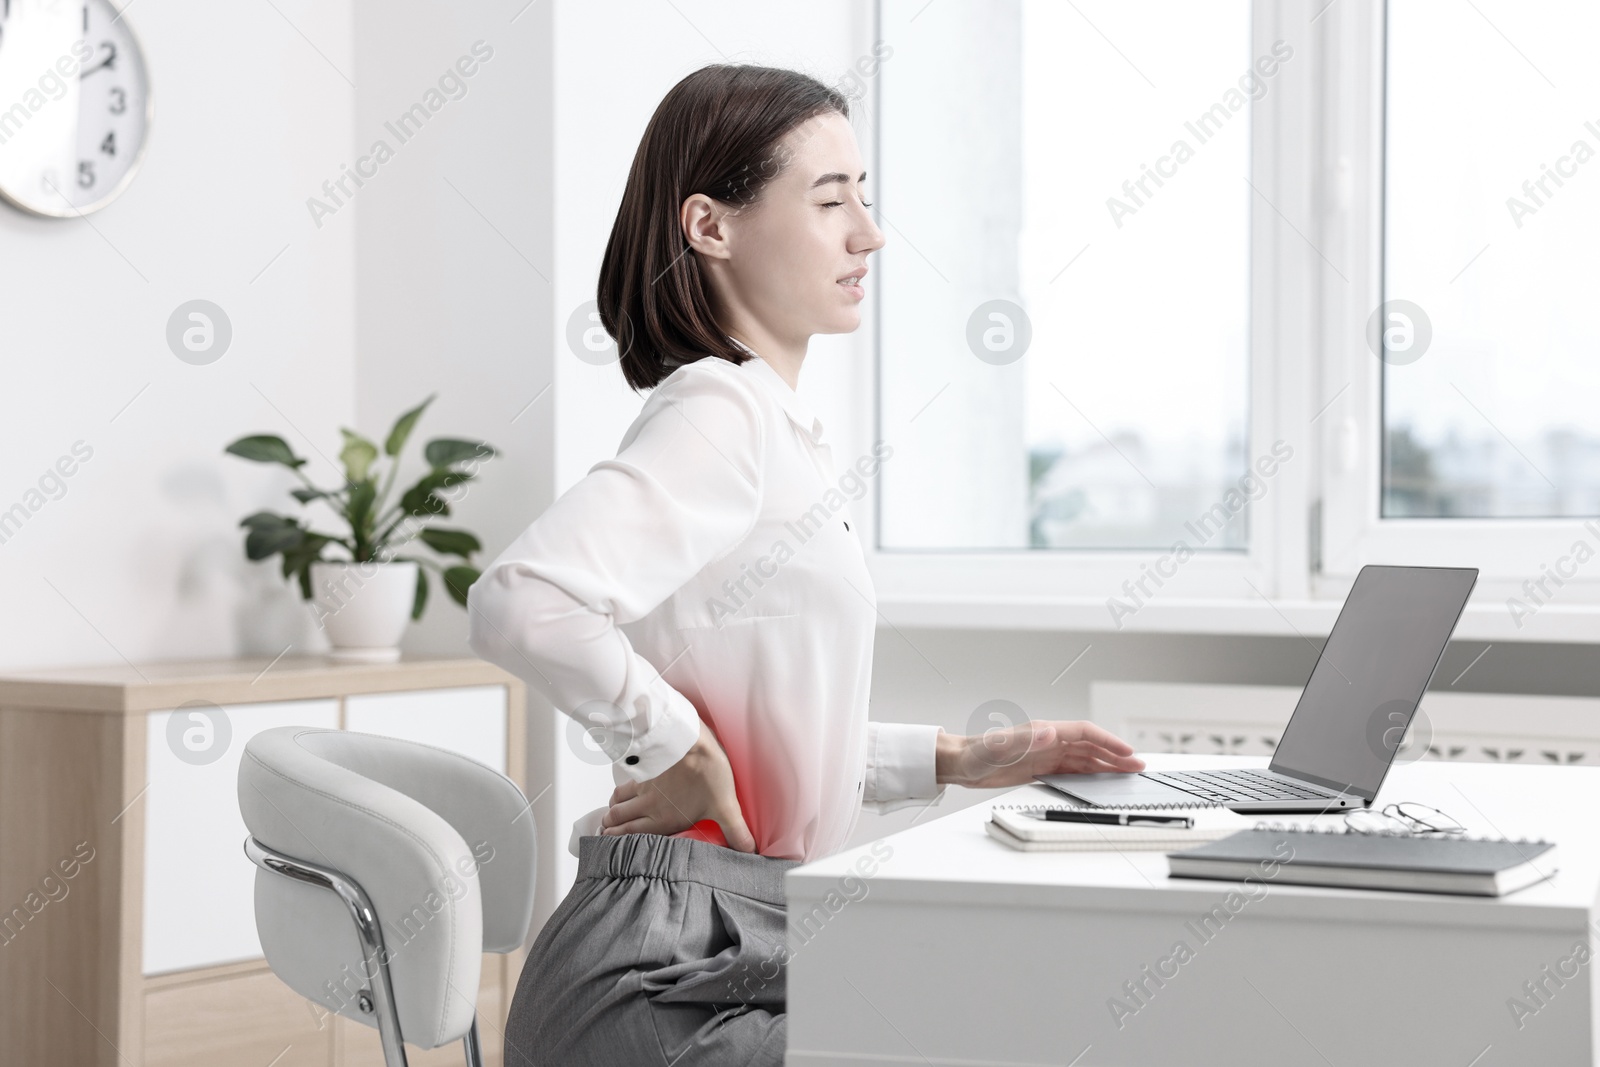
(1407, 817)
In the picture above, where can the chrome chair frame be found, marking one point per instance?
(379, 999)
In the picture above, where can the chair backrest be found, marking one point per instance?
(443, 846)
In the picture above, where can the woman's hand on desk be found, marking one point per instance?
(1012, 755)
(699, 786)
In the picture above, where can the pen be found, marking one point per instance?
(1118, 818)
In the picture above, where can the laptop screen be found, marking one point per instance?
(1371, 675)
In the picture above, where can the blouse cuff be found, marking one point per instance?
(674, 729)
(900, 769)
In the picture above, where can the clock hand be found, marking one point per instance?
(109, 61)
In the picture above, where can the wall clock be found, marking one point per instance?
(75, 105)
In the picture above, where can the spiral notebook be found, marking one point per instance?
(1016, 825)
(1462, 864)
(1175, 806)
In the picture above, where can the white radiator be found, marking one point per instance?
(1247, 719)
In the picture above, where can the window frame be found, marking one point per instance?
(1316, 160)
(1507, 551)
(1274, 565)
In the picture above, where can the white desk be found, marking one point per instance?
(959, 950)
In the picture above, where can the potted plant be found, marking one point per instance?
(363, 601)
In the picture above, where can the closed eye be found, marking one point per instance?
(840, 203)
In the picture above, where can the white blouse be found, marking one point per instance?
(712, 571)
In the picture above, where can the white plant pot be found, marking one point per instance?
(364, 607)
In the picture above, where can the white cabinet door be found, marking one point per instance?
(470, 720)
(199, 889)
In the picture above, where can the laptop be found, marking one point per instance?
(1343, 735)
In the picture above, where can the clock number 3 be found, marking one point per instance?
(87, 154)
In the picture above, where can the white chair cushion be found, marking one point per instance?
(441, 844)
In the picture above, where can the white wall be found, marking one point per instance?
(405, 289)
(141, 555)
(453, 261)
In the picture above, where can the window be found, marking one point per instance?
(1491, 211)
(1455, 356)
(1066, 284)
(1380, 264)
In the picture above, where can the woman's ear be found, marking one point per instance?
(704, 226)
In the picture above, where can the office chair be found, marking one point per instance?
(385, 869)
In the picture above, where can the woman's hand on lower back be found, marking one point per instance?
(699, 786)
(1013, 755)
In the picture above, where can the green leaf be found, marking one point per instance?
(457, 580)
(421, 499)
(358, 455)
(358, 511)
(304, 575)
(306, 495)
(264, 541)
(265, 448)
(403, 426)
(450, 542)
(420, 601)
(262, 519)
(446, 451)
(301, 556)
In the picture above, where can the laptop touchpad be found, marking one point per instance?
(1111, 789)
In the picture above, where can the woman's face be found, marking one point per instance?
(809, 227)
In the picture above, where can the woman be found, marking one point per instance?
(701, 604)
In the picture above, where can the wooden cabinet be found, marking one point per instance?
(127, 924)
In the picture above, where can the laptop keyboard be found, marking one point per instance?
(1241, 785)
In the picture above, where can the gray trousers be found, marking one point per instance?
(667, 951)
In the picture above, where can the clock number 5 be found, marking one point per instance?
(119, 101)
(86, 174)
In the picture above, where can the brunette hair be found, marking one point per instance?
(717, 132)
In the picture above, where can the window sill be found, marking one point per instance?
(1487, 621)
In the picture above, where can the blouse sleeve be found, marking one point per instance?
(900, 767)
(683, 490)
